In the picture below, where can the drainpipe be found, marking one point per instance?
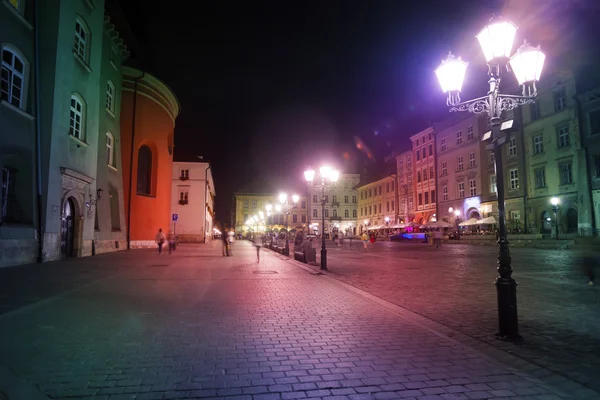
(135, 85)
(38, 135)
(586, 154)
(205, 198)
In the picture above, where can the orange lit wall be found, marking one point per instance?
(156, 109)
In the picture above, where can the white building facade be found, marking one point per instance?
(192, 202)
(340, 211)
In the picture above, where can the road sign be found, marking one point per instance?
(175, 217)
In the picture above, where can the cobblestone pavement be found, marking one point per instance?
(197, 325)
(559, 315)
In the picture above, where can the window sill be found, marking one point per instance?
(109, 112)
(16, 109)
(113, 168)
(78, 141)
(82, 62)
(145, 195)
(17, 14)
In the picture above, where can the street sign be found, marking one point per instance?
(175, 217)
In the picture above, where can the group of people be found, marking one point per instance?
(161, 239)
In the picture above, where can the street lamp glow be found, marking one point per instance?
(278, 208)
(555, 201)
(282, 198)
(334, 176)
(366, 221)
(450, 209)
(261, 214)
(496, 39)
(387, 219)
(309, 174)
(457, 212)
(295, 198)
(527, 63)
(451, 73)
(268, 207)
(325, 171)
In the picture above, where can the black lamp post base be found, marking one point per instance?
(506, 288)
(323, 259)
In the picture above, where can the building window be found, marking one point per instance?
(471, 160)
(512, 146)
(563, 137)
(392, 205)
(346, 213)
(387, 209)
(387, 187)
(18, 4)
(538, 144)
(431, 172)
(409, 161)
(334, 198)
(470, 132)
(461, 190)
(354, 199)
(371, 193)
(303, 204)
(540, 178)
(400, 164)
(8, 212)
(315, 199)
(472, 188)
(432, 197)
(110, 97)
(430, 150)
(425, 174)
(443, 144)
(492, 157)
(345, 185)
(246, 203)
(418, 154)
(294, 218)
(346, 199)
(493, 187)
(420, 199)
(335, 212)
(560, 100)
(183, 196)
(303, 218)
(426, 197)
(514, 179)
(445, 193)
(418, 176)
(353, 213)
(459, 137)
(144, 171)
(315, 214)
(444, 168)
(392, 186)
(326, 213)
(566, 176)
(460, 163)
(594, 120)
(245, 218)
(534, 109)
(423, 153)
(81, 41)
(13, 78)
(409, 180)
(77, 114)
(254, 204)
(184, 174)
(110, 149)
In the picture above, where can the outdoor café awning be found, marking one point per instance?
(488, 220)
(469, 222)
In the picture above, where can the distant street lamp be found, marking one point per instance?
(555, 207)
(328, 178)
(496, 40)
(457, 215)
(283, 199)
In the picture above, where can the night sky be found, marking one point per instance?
(270, 87)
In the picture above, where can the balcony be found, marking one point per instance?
(183, 202)
(183, 178)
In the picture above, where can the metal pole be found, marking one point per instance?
(308, 202)
(556, 220)
(323, 245)
(506, 286)
(287, 233)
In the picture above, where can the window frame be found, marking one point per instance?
(461, 190)
(561, 173)
(512, 147)
(513, 179)
(536, 176)
(78, 40)
(16, 54)
(560, 136)
(110, 149)
(538, 146)
(110, 99)
(149, 169)
(82, 115)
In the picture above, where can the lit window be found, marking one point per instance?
(110, 148)
(461, 190)
(472, 187)
(493, 188)
(514, 179)
(110, 97)
(538, 144)
(13, 78)
(80, 40)
(76, 115)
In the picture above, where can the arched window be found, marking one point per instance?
(346, 213)
(13, 88)
(144, 171)
(315, 214)
(326, 213)
(110, 97)
(334, 212)
(110, 149)
(77, 117)
(81, 40)
(354, 213)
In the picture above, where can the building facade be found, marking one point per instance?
(556, 165)
(192, 201)
(459, 181)
(247, 204)
(424, 175)
(377, 203)
(340, 210)
(406, 210)
(148, 112)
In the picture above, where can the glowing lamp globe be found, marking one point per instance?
(325, 170)
(295, 198)
(334, 176)
(527, 63)
(451, 73)
(309, 174)
(554, 201)
(282, 198)
(496, 39)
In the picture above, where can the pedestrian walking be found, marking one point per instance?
(171, 240)
(225, 248)
(437, 238)
(257, 244)
(365, 240)
(231, 242)
(160, 240)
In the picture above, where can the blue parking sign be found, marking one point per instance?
(175, 217)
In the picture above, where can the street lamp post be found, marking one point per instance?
(457, 215)
(555, 207)
(496, 40)
(283, 199)
(328, 177)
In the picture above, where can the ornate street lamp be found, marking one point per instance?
(328, 177)
(457, 215)
(283, 200)
(555, 207)
(496, 41)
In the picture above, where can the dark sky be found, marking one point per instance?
(270, 87)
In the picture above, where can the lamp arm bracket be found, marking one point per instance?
(507, 102)
(479, 105)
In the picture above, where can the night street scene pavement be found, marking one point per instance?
(403, 321)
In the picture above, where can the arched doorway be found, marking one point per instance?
(546, 225)
(571, 220)
(474, 214)
(67, 229)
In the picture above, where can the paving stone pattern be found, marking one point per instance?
(559, 314)
(196, 325)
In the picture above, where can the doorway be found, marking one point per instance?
(67, 229)
(546, 223)
(571, 220)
